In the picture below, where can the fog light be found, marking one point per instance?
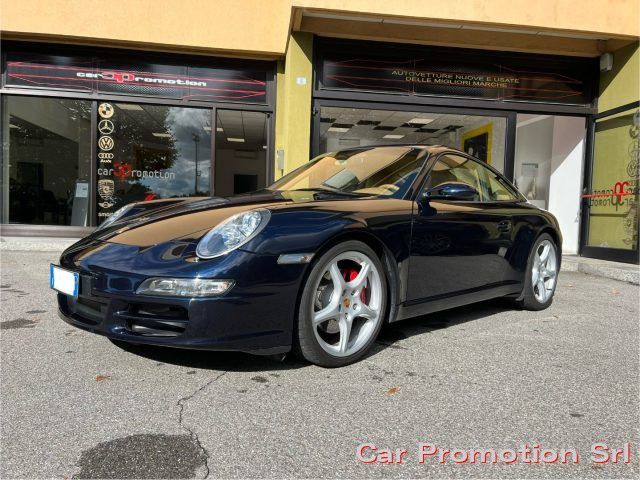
(184, 287)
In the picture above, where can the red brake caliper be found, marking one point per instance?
(350, 274)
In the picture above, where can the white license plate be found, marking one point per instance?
(64, 281)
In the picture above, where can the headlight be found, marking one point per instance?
(232, 233)
(184, 287)
(118, 214)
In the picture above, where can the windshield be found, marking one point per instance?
(386, 171)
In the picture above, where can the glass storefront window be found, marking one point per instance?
(46, 161)
(613, 200)
(241, 152)
(148, 152)
(480, 136)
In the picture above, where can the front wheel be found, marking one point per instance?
(343, 306)
(542, 274)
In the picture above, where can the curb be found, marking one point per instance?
(35, 244)
(622, 272)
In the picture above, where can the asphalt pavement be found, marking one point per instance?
(485, 377)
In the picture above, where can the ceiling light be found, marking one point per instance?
(206, 128)
(11, 125)
(219, 129)
(232, 139)
(129, 106)
(161, 135)
(340, 127)
(393, 136)
(421, 121)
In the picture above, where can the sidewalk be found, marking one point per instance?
(623, 272)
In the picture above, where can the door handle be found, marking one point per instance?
(504, 226)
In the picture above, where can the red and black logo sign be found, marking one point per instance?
(160, 81)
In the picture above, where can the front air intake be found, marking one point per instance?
(154, 320)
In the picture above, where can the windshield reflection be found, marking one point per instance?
(375, 171)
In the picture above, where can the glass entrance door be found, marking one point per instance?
(480, 135)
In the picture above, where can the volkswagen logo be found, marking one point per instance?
(105, 143)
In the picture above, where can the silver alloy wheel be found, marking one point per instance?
(346, 313)
(544, 271)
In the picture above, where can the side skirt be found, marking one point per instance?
(424, 306)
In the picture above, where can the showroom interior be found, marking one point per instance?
(88, 127)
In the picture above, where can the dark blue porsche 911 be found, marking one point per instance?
(317, 262)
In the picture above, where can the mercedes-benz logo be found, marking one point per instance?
(105, 143)
(106, 127)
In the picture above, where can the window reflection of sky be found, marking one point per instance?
(185, 125)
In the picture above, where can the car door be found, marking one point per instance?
(457, 245)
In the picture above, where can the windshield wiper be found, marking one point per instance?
(330, 191)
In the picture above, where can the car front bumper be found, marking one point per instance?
(255, 316)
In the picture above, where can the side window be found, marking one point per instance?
(498, 190)
(452, 168)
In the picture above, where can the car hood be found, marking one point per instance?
(191, 220)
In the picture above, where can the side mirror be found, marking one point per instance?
(451, 191)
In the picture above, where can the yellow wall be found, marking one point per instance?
(621, 85)
(261, 27)
(217, 26)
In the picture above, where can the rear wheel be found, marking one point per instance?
(542, 274)
(342, 307)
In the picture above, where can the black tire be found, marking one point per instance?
(306, 345)
(528, 300)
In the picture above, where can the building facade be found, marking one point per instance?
(151, 100)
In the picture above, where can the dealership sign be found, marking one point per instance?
(454, 73)
(96, 75)
(129, 78)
